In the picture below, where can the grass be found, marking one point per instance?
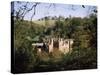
(43, 22)
(55, 56)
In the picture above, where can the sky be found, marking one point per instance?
(64, 10)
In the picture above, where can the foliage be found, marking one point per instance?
(83, 56)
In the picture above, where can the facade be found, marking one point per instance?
(63, 45)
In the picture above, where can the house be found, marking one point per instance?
(51, 44)
(63, 45)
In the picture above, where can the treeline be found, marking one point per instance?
(83, 56)
(51, 18)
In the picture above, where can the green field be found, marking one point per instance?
(44, 23)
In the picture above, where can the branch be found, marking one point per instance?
(34, 6)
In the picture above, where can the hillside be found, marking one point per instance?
(45, 23)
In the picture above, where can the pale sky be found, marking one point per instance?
(64, 10)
